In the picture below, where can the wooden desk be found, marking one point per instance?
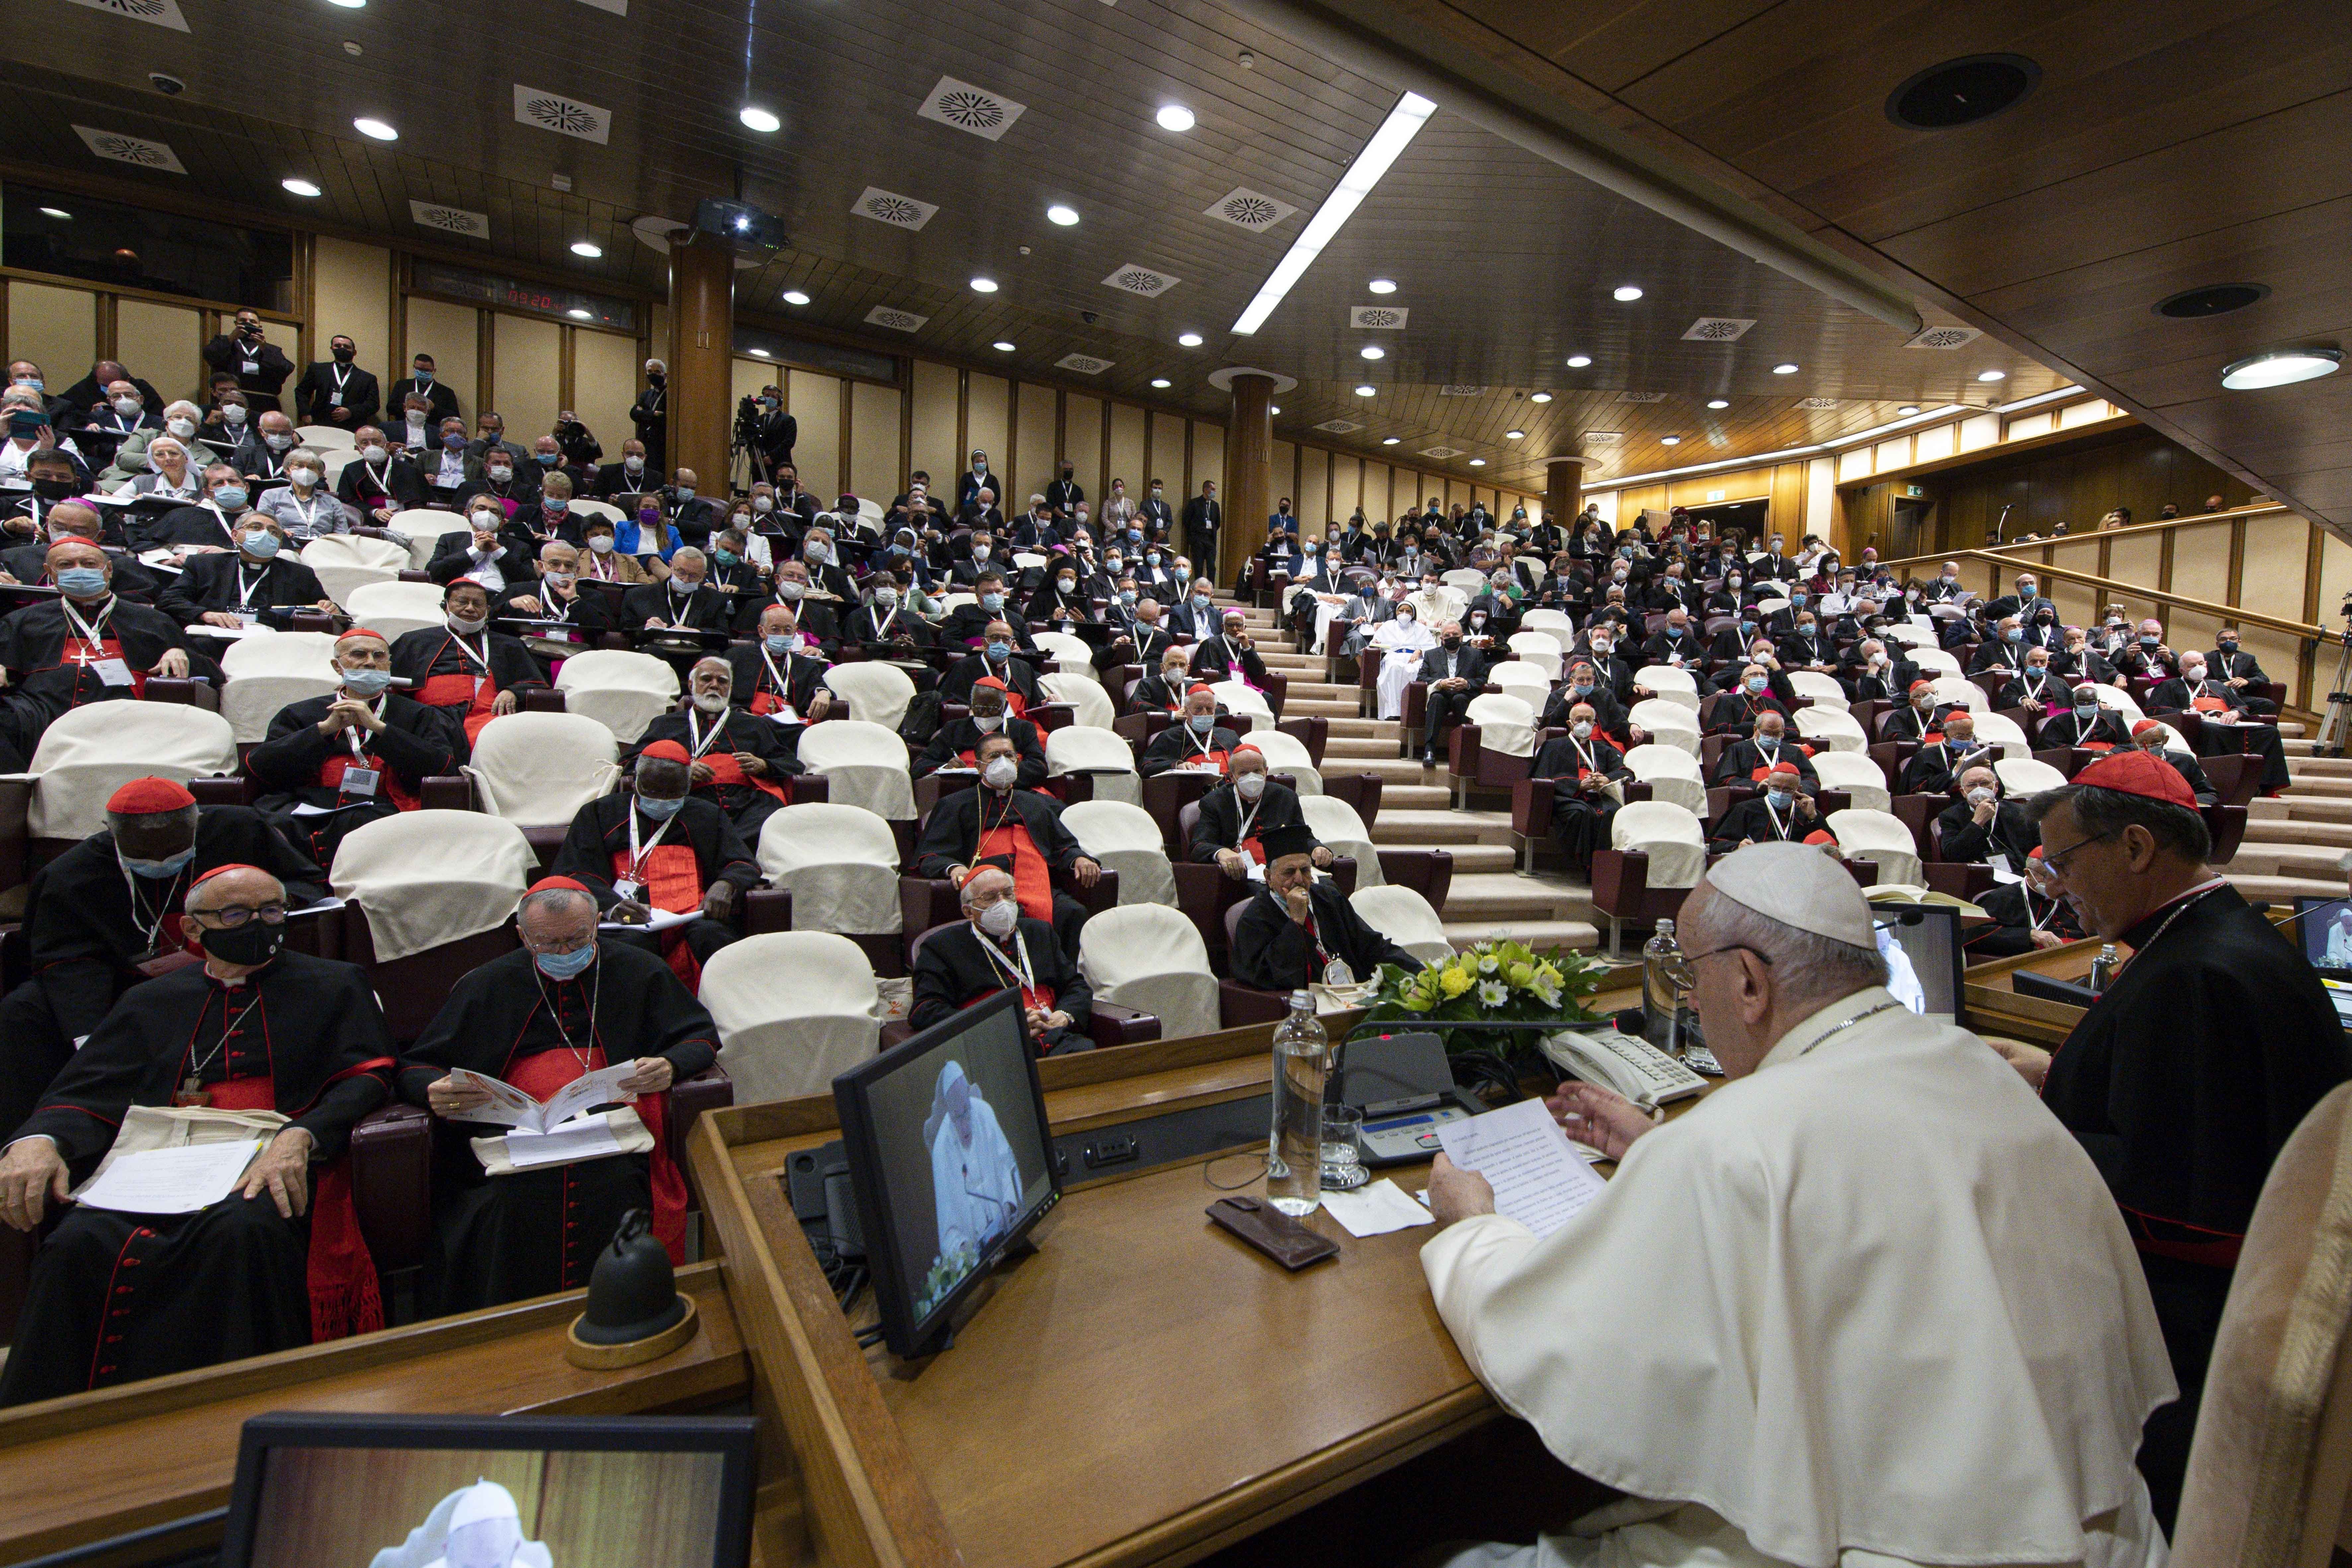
(1996, 1007)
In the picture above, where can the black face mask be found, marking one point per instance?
(255, 942)
(1453, 642)
(55, 490)
(655, 380)
(345, 356)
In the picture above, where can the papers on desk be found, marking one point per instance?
(170, 1181)
(1538, 1178)
(586, 1139)
(662, 920)
(1376, 1209)
(512, 1107)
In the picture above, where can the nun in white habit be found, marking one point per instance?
(1868, 1304)
(1400, 642)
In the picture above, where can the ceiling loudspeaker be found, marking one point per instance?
(1962, 92)
(2217, 299)
(742, 224)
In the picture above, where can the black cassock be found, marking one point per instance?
(715, 741)
(299, 766)
(2182, 1082)
(2017, 912)
(502, 1238)
(116, 1297)
(230, 582)
(701, 842)
(955, 970)
(1745, 761)
(953, 835)
(52, 668)
(1275, 953)
(446, 673)
(1219, 825)
(956, 744)
(87, 925)
(1580, 817)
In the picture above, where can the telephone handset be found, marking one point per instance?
(1633, 1068)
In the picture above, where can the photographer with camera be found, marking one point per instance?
(763, 429)
(260, 367)
(578, 447)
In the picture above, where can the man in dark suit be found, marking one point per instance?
(684, 600)
(884, 621)
(1231, 654)
(261, 366)
(1019, 677)
(2226, 731)
(1155, 514)
(1934, 767)
(773, 435)
(1586, 770)
(1203, 518)
(956, 743)
(777, 675)
(381, 482)
(2149, 736)
(479, 549)
(232, 588)
(1455, 674)
(995, 948)
(336, 391)
(650, 415)
(1673, 645)
(1297, 931)
(1784, 812)
(1195, 741)
(423, 383)
(2085, 726)
(1195, 616)
(1136, 637)
(1019, 830)
(2237, 669)
(1981, 821)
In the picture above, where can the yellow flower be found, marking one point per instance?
(1520, 974)
(1454, 982)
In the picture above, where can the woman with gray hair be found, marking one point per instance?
(303, 506)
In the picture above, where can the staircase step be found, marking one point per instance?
(2307, 786)
(2321, 861)
(1355, 728)
(2273, 889)
(1469, 859)
(2308, 808)
(1412, 797)
(1382, 746)
(2291, 830)
(1544, 936)
(1505, 895)
(1397, 827)
(2311, 767)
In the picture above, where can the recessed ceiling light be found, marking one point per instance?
(587, 247)
(1404, 121)
(983, 285)
(1367, 390)
(1374, 350)
(1719, 402)
(795, 297)
(1382, 285)
(760, 119)
(1908, 410)
(348, 5)
(1272, 408)
(1390, 440)
(1477, 462)
(1063, 214)
(1578, 362)
(1992, 375)
(56, 213)
(1174, 117)
(2281, 367)
(1628, 292)
(759, 354)
(1189, 340)
(376, 128)
(1786, 367)
(293, 186)
(577, 314)
(1670, 440)
(1514, 435)
(1538, 397)
(1161, 382)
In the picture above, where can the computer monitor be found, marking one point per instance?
(946, 1141)
(511, 1491)
(1921, 944)
(2326, 928)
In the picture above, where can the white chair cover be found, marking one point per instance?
(1668, 722)
(1339, 827)
(425, 878)
(88, 753)
(1879, 836)
(423, 527)
(1824, 690)
(794, 1009)
(1151, 958)
(866, 763)
(1669, 833)
(1468, 581)
(1767, 608)
(950, 604)
(346, 561)
(1025, 559)
(876, 692)
(1997, 729)
(1071, 654)
(394, 607)
(583, 509)
(1244, 702)
(1540, 648)
(1960, 691)
(1830, 729)
(1937, 660)
(1853, 771)
(1522, 679)
(325, 439)
(840, 863)
(1289, 754)
(1104, 753)
(333, 463)
(2115, 698)
(540, 768)
(1126, 840)
(1507, 723)
(250, 701)
(1909, 635)
(1084, 695)
(1671, 773)
(2022, 776)
(1553, 624)
(1404, 917)
(1672, 685)
(622, 690)
(279, 653)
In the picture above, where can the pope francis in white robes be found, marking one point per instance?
(1868, 1304)
(975, 1180)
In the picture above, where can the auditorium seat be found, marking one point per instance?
(2021, 776)
(1830, 730)
(1657, 853)
(88, 753)
(1122, 837)
(840, 866)
(345, 562)
(1671, 773)
(1524, 679)
(1405, 918)
(1089, 703)
(793, 1010)
(877, 691)
(1667, 723)
(1668, 684)
(538, 769)
(1821, 690)
(1538, 650)
(1881, 839)
(395, 607)
(865, 765)
(1338, 830)
(1286, 753)
(421, 528)
(1093, 764)
(1244, 701)
(1493, 748)
(1853, 775)
(1554, 624)
(622, 691)
(1113, 1024)
(420, 884)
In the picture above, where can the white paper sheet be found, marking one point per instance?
(599, 1087)
(510, 1107)
(171, 1181)
(1377, 1209)
(662, 920)
(578, 1140)
(1538, 1178)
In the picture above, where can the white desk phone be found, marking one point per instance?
(1633, 1068)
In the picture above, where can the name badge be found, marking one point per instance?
(1337, 973)
(624, 888)
(360, 782)
(246, 617)
(252, 367)
(334, 400)
(112, 671)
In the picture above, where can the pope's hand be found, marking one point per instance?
(2032, 1062)
(1601, 1117)
(2048, 939)
(1456, 1194)
(32, 1175)
(505, 702)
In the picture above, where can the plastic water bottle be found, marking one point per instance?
(1293, 1151)
(2103, 968)
(1665, 991)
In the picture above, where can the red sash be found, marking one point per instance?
(671, 881)
(473, 693)
(1757, 776)
(330, 776)
(2208, 705)
(339, 1272)
(726, 770)
(107, 647)
(1033, 880)
(542, 1073)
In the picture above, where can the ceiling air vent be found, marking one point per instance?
(895, 320)
(451, 220)
(1817, 403)
(125, 148)
(1378, 318)
(1460, 390)
(564, 116)
(1245, 209)
(1603, 437)
(890, 207)
(967, 107)
(1640, 397)
(163, 12)
(1944, 338)
(1085, 364)
(1339, 427)
(1441, 452)
(1133, 280)
(1718, 329)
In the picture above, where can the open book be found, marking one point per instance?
(510, 1107)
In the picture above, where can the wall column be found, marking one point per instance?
(1249, 470)
(1563, 490)
(701, 358)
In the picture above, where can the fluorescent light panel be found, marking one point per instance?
(1876, 432)
(1395, 134)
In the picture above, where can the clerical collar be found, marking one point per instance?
(2151, 925)
(1839, 1015)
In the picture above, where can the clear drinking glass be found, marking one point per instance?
(1343, 1162)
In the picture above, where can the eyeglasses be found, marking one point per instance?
(2056, 864)
(232, 916)
(1761, 957)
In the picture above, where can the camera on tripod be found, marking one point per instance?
(747, 421)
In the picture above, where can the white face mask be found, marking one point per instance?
(1000, 772)
(999, 918)
(183, 427)
(1581, 728)
(233, 414)
(465, 626)
(303, 477)
(372, 453)
(1249, 785)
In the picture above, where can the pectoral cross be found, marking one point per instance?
(191, 1092)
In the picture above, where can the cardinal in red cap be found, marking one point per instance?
(741, 762)
(956, 743)
(1195, 742)
(463, 667)
(2193, 1064)
(2154, 740)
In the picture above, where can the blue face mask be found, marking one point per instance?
(423, 377)
(1202, 723)
(564, 966)
(157, 870)
(1755, 683)
(546, 460)
(2014, 634)
(991, 603)
(1582, 689)
(554, 506)
(1795, 599)
(259, 541)
(781, 642)
(82, 580)
(454, 441)
(1779, 797)
(366, 682)
(660, 810)
(229, 498)
(998, 652)
(1674, 631)
(725, 557)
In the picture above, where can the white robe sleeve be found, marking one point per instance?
(1462, 1262)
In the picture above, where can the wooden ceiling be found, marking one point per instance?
(1505, 261)
(2169, 144)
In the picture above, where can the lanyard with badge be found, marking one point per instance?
(360, 779)
(784, 713)
(629, 886)
(148, 929)
(1335, 969)
(694, 732)
(1017, 969)
(482, 658)
(111, 671)
(342, 375)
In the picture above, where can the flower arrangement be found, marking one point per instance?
(946, 1271)
(1491, 982)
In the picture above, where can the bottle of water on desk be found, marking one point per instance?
(1665, 991)
(2103, 970)
(1294, 1153)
